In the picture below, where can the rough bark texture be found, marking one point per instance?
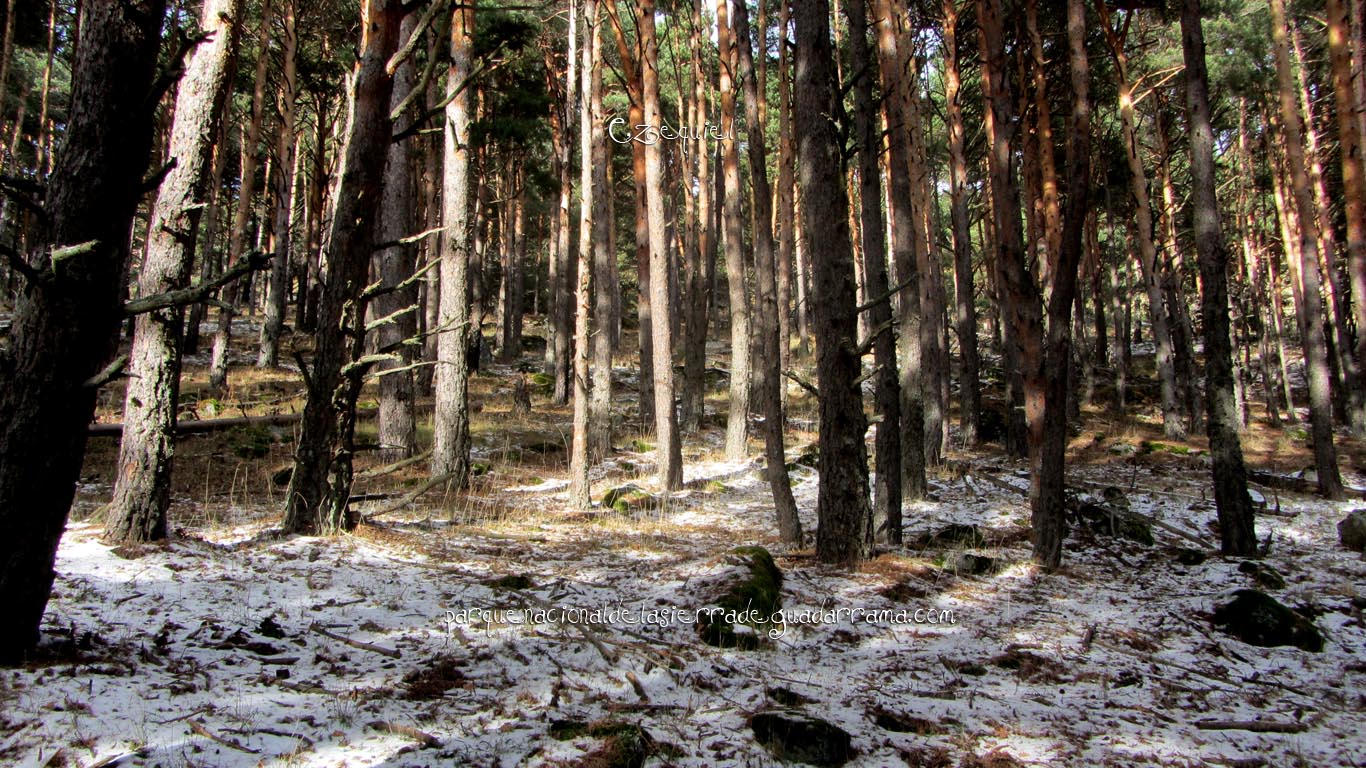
(737, 420)
(1236, 524)
(451, 428)
(1353, 167)
(320, 487)
(893, 61)
(970, 404)
(286, 171)
(887, 392)
(237, 237)
(670, 450)
(142, 489)
(1308, 311)
(767, 376)
(589, 191)
(396, 307)
(65, 327)
(845, 533)
(695, 313)
(599, 249)
(562, 276)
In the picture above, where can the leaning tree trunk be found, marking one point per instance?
(319, 488)
(768, 376)
(887, 392)
(286, 171)
(65, 327)
(1234, 506)
(737, 420)
(1308, 311)
(893, 60)
(396, 308)
(451, 448)
(666, 420)
(142, 488)
(845, 532)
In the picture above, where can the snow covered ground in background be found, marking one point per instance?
(223, 649)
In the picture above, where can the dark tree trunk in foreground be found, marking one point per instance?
(887, 395)
(1047, 487)
(396, 307)
(1237, 534)
(142, 489)
(670, 450)
(320, 487)
(1307, 307)
(845, 532)
(451, 424)
(768, 374)
(65, 326)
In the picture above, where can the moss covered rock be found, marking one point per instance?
(741, 616)
(626, 498)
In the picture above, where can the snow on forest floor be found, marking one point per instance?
(231, 646)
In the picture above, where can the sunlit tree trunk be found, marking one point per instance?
(286, 172)
(1353, 169)
(142, 488)
(737, 420)
(964, 294)
(582, 445)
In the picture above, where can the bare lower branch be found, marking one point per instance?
(195, 294)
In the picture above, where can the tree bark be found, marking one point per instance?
(595, 246)
(695, 313)
(1353, 172)
(887, 395)
(768, 374)
(562, 280)
(237, 238)
(396, 307)
(845, 532)
(1236, 524)
(737, 420)
(1308, 311)
(591, 75)
(320, 486)
(970, 405)
(286, 173)
(142, 489)
(670, 461)
(894, 63)
(65, 328)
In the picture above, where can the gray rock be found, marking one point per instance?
(1352, 530)
(801, 738)
(1258, 619)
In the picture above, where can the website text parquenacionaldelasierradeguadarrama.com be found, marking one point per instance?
(774, 624)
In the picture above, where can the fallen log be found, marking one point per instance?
(115, 429)
(1295, 484)
(1255, 726)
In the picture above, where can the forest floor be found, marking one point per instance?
(416, 640)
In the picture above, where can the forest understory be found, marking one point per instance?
(231, 644)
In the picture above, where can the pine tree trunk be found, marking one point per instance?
(970, 406)
(1353, 177)
(893, 62)
(1308, 311)
(589, 156)
(594, 245)
(845, 532)
(286, 172)
(396, 308)
(1237, 534)
(887, 395)
(670, 461)
(1172, 426)
(768, 376)
(66, 331)
(693, 410)
(562, 311)
(786, 217)
(237, 238)
(319, 488)
(142, 488)
(737, 420)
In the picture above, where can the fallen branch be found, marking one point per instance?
(1256, 726)
(1295, 484)
(412, 496)
(229, 743)
(802, 383)
(197, 293)
(392, 653)
(426, 739)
